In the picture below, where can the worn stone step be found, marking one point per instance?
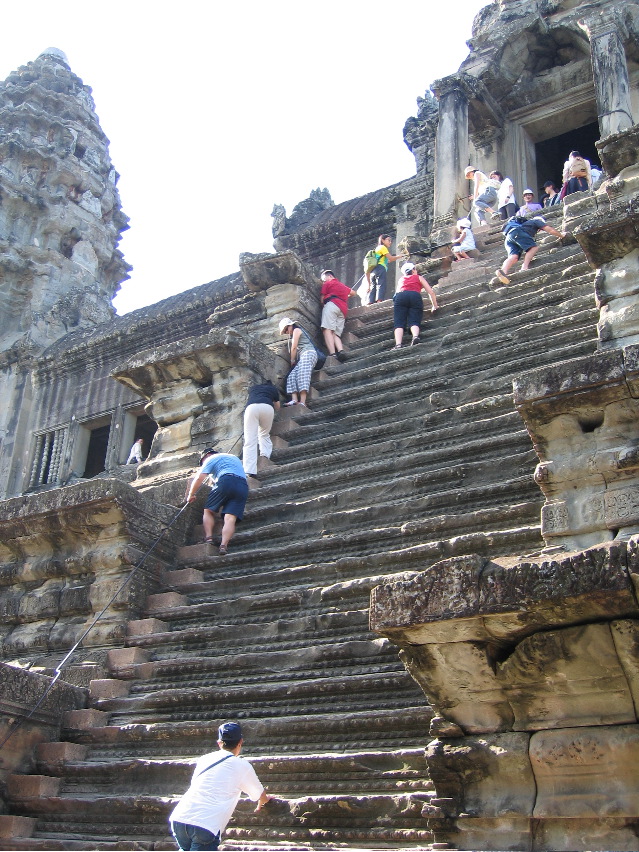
(382, 817)
(303, 734)
(371, 772)
(461, 366)
(419, 451)
(294, 697)
(348, 658)
(287, 633)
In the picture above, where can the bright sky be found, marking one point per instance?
(217, 111)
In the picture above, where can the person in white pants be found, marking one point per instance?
(263, 402)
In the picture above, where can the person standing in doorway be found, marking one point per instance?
(135, 455)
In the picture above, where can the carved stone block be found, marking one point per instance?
(460, 684)
(565, 678)
(565, 762)
(488, 776)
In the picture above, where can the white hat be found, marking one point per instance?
(463, 223)
(284, 323)
(407, 267)
(528, 192)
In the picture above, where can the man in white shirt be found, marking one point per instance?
(218, 781)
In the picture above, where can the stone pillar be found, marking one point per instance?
(451, 155)
(609, 71)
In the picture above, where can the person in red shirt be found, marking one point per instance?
(408, 305)
(335, 301)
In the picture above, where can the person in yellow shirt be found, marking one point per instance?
(377, 292)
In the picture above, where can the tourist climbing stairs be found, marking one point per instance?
(403, 458)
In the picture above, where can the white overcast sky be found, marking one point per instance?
(218, 110)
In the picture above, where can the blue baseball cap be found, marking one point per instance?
(230, 733)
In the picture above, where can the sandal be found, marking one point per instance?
(208, 540)
(223, 550)
(292, 402)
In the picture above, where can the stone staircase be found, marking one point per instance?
(403, 458)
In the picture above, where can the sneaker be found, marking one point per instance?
(341, 356)
(415, 341)
(502, 277)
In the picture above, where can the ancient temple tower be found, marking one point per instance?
(60, 224)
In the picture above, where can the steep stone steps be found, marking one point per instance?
(272, 666)
(495, 415)
(285, 633)
(483, 327)
(403, 459)
(459, 358)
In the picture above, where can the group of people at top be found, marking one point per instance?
(494, 194)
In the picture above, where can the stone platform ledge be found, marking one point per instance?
(102, 502)
(546, 392)
(196, 360)
(16, 826)
(619, 150)
(471, 599)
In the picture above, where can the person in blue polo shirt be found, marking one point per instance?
(520, 239)
(228, 495)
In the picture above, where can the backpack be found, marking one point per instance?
(578, 168)
(371, 260)
(321, 356)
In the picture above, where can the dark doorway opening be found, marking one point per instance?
(96, 454)
(145, 428)
(551, 154)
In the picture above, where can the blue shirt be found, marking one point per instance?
(221, 464)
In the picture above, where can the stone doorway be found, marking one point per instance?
(551, 154)
(97, 450)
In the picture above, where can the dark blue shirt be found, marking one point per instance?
(266, 393)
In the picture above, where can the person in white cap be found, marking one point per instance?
(465, 242)
(303, 356)
(408, 305)
(529, 206)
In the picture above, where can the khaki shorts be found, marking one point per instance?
(333, 318)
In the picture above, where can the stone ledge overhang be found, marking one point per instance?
(21, 690)
(546, 392)
(60, 516)
(471, 599)
(619, 150)
(261, 271)
(196, 359)
(610, 232)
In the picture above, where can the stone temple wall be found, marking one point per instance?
(531, 666)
